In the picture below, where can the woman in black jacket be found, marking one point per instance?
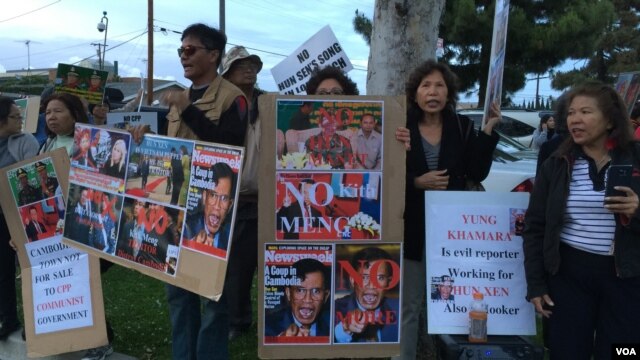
(445, 153)
(582, 245)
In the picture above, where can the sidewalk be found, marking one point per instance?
(14, 348)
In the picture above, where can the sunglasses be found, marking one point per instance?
(334, 91)
(190, 49)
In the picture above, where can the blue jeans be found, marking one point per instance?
(199, 326)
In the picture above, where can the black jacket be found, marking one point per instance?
(470, 160)
(545, 217)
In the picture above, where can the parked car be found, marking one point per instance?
(509, 126)
(509, 172)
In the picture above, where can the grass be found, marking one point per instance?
(136, 307)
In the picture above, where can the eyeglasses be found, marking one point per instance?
(16, 117)
(300, 293)
(190, 49)
(334, 91)
(213, 196)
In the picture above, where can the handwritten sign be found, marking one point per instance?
(476, 248)
(60, 275)
(125, 120)
(321, 50)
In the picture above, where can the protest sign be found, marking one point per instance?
(61, 288)
(476, 248)
(126, 120)
(147, 209)
(321, 50)
(334, 182)
(367, 293)
(84, 82)
(498, 52)
(30, 109)
(628, 86)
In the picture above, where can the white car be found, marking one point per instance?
(510, 172)
(511, 125)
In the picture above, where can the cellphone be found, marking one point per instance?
(617, 175)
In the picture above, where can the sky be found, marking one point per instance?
(62, 31)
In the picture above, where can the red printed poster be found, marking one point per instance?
(367, 293)
(213, 191)
(328, 206)
(99, 158)
(297, 293)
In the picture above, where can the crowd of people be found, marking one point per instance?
(581, 259)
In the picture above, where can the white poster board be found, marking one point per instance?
(474, 244)
(125, 120)
(321, 50)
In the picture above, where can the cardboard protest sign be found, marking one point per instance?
(126, 120)
(61, 288)
(30, 109)
(84, 82)
(498, 52)
(321, 50)
(476, 248)
(163, 207)
(333, 185)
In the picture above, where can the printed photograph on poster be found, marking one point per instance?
(43, 219)
(367, 293)
(159, 169)
(25, 185)
(99, 157)
(632, 92)
(441, 287)
(324, 135)
(92, 218)
(517, 221)
(212, 194)
(296, 294)
(149, 234)
(328, 206)
(81, 81)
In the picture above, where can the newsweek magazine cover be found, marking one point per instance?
(328, 206)
(213, 191)
(99, 157)
(367, 293)
(297, 293)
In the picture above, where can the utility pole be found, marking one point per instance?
(149, 52)
(222, 26)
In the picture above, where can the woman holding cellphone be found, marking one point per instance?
(581, 246)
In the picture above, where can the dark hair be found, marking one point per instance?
(211, 38)
(223, 170)
(319, 75)
(305, 181)
(367, 256)
(613, 109)
(5, 108)
(308, 266)
(32, 208)
(543, 120)
(427, 68)
(73, 104)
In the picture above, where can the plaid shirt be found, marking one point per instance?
(336, 151)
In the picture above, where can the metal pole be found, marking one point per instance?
(222, 26)
(149, 52)
(104, 47)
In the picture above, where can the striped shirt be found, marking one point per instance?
(588, 226)
(431, 154)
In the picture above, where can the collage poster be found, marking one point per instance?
(303, 307)
(59, 274)
(476, 248)
(329, 170)
(145, 203)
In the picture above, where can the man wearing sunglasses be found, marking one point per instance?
(304, 314)
(214, 110)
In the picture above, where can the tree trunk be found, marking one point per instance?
(404, 35)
